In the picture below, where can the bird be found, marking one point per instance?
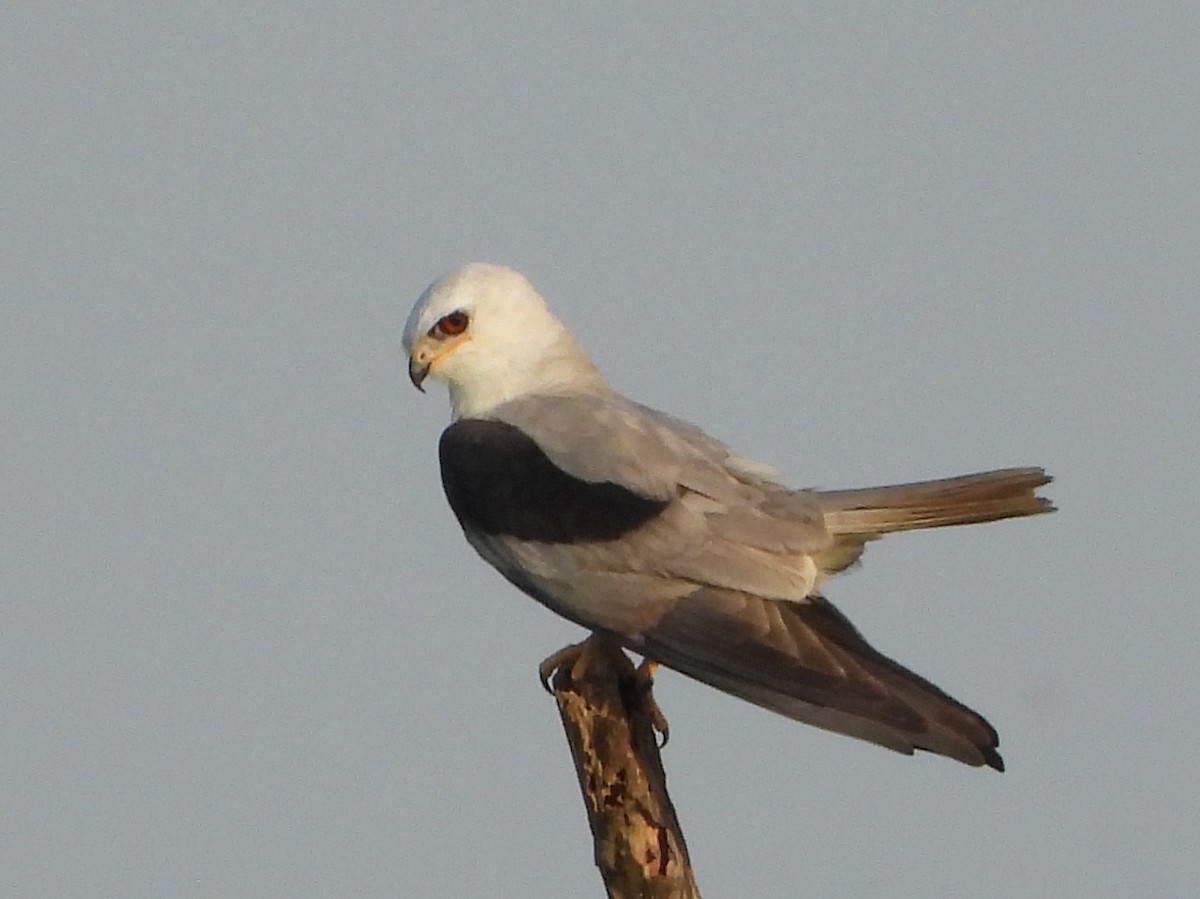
(639, 526)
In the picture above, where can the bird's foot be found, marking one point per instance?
(638, 684)
(644, 683)
(568, 657)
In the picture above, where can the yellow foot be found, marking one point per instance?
(645, 686)
(639, 682)
(569, 656)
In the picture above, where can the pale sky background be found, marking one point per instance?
(244, 649)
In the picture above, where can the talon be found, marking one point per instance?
(645, 682)
(568, 655)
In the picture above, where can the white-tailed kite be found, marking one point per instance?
(640, 526)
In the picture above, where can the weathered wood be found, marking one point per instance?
(608, 715)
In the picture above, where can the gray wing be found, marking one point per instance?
(635, 524)
(808, 662)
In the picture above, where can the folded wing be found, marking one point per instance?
(645, 528)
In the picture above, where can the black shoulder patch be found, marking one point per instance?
(499, 481)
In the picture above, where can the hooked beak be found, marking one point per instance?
(428, 352)
(417, 372)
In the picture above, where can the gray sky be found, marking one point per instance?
(244, 650)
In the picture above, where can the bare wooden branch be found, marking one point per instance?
(608, 715)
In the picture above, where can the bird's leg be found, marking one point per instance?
(644, 682)
(569, 655)
(639, 682)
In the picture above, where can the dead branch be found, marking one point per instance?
(609, 718)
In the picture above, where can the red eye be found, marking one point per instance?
(449, 325)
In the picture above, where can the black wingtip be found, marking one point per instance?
(992, 759)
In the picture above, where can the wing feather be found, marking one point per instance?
(718, 578)
(806, 661)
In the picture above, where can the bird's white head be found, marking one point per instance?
(486, 333)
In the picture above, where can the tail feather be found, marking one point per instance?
(972, 498)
